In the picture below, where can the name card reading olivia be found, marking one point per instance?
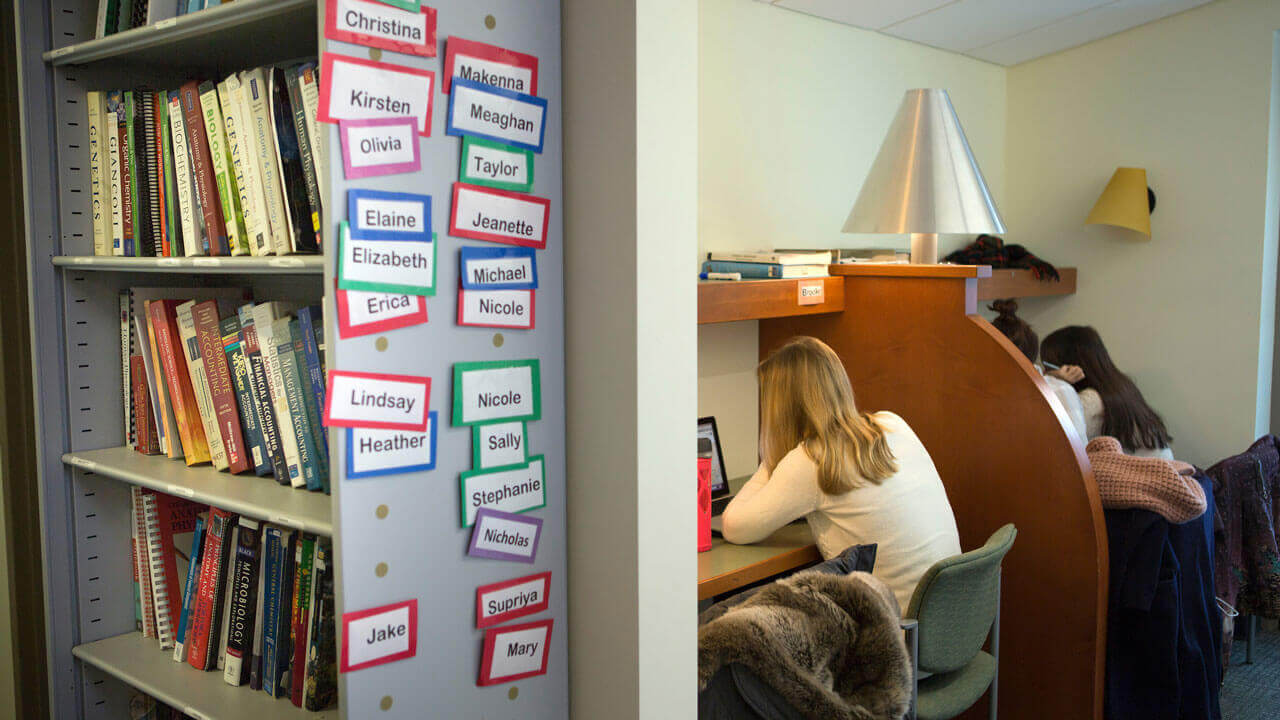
(386, 266)
(379, 635)
(355, 89)
(489, 65)
(498, 444)
(382, 215)
(493, 164)
(512, 309)
(408, 30)
(505, 536)
(499, 216)
(512, 489)
(371, 453)
(495, 114)
(498, 268)
(365, 313)
(515, 652)
(511, 599)
(496, 390)
(375, 400)
(379, 146)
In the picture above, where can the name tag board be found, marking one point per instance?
(376, 400)
(365, 313)
(512, 489)
(379, 635)
(489, 65)
(498, 444)
(496, 390)
(511, 309)
(379, 146)
(810, 292)
(500, 115)
(499, 216)
(386, 266)
(499, 602)
(498, 535)
(515, 652)
(371, 453)
(493, 164)
(498, 268)
(354, 89)
(381, 215)
(410, 30)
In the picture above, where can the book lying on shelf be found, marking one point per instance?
(759, 271)
(844, 256)
(774, 257)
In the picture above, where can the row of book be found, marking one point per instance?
(211, 378)
(224, 592)
(226, 168)
(748, 265)
(119, 15)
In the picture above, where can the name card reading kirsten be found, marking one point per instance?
(511, 599)
(511, 309)
(371, 453)
(365, 313)
(355, 89)
(489, 65)
(511, 489)
(409, 30)
(499, 216)
(375, 400)
(382, 215)
(379, 146)
(494, 114)
(379, 635)
(515, 652)
(386, 266)
(496, 390)
(505, 536)
(498, 268)
(493, 164)
(499, 444)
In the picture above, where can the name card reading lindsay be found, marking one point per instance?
(511, 489)
(511, 309)
(355, 88)
(494, 114)
(515, 652)
(371, 453)
(375, 400)
(379, 635)
(489, 65)
(365, 313)
(385, 266)
(499, 444)
(511, 599)
(379, 146)
(496, 390)
(375, 24)
(498, 268)
(493, 164)
(499, 535)
(499, 216)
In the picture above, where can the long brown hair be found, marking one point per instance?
(1126, 416)
(1015, 328)
(805, 397)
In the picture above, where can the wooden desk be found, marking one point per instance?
(727, 567)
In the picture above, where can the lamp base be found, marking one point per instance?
(924, 248)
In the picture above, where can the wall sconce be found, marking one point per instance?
(1126, 202)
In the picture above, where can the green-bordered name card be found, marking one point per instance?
(497, 444)
(414, 5)
(496, 390)
(386, 266)
(495, 165)
(513, 489)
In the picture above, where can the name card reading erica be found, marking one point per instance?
(499, 535)
(354, 89)
(496, 390)
(495, 114)
(371, 453)
(511, 489)
(375, 400)
(379, 635)
(364, 313)
(375, 24)
(499, 216)
(511, 599)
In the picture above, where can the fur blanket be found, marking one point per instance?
(830, 644)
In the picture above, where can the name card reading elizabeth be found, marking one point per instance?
(379, 635)
(375, 400)
(379, 146)
(382, 215)
(498, 268)
(810, 292)
(489, 65)
(355, 89)
(496, 390)
(511, 599)
(499, 216)
(365, 313)
(511, 309)
(512, 489)
(371, 453)
(499, 444)
(386, 266)
(495, 114)
(515, 652)
(499, 535)
(410, 30)
(493, 164)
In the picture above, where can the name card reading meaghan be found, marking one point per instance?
(379, 635)
(498, 268)
(515, 652)
(365, 313)
(385, 266)
(499, 602)
(379, 146)
(493, 164)
(498, 444)
(511, 489)
(511, 309)
(496, 390)
(375, 400)
(499, 535)
(354, 89)
(499, 216)
(382, 215)
(494, 114)
(489, 65)
(376, 24)
(371, 453)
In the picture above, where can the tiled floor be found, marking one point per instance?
(1252, 692)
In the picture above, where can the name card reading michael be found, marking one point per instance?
(379, 146)
(499, 216)
(386, 266)
(511, 599)
(512, 489)
(499, 444)
(355, 88)
(493, 164)
(510, 309)
(494, 114)
(382, 215)
(371, 453)
(489, 65)
(498, 268)
(376, 400)
(496, 390)
(376, 24)
(365, 313)
(379, 635)
(499, 535)
(515, 652)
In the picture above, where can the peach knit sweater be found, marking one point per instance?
(1162, 486)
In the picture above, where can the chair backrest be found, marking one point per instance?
(956, 601)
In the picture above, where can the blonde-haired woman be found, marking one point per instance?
(856, 477)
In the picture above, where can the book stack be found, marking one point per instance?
(848, 256)
(211, 168)
(119, 15)
(764, 264)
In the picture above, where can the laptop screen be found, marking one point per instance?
(707, 429)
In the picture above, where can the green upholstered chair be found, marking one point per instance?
(955, 608)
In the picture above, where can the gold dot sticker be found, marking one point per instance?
(513, 693)
(382, 512)
(375, 54)
(386, 702)
(381, 344)
(380, 570)
(490, 22)
(498, 339)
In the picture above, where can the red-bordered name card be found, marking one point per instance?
(489, 65)
(353, 88)
(365, 313)
(513, 309)
(376, 400)
(375, 24)
(499, 216)
(379, 635)
(515, 652)
(511, 599)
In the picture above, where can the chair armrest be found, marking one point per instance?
(911, 630)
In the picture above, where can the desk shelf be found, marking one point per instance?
(729, 300)
(1021, 284)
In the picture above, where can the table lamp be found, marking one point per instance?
(1126, 202)
(925, 180)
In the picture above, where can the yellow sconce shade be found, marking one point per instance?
(1126, 202)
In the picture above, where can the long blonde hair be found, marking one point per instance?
(805, 397)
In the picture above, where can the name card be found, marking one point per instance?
(493, 164)
(365, 313)
(355, 89)
(495, 114)
(375, 400)
(512, 309)
(489, 65)
(379, 635)
(498, 268)
(515, 652)
(499, 444)
(379, 146)
(402, 28)
(385, 266)
(505, 536)
(511, 489)
(381, 215)
(403, 4)
(511, 599)
(496, 390)
(499, 216)
(811, 292)
(371, 453)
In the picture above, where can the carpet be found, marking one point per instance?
(1252, 692)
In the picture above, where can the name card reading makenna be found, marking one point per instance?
(371, 453)
(379, 146)
(375, 400)
(511, 309)
(377, 24)
(354, 89)
(512, 489)
(498, 268)
(499, 216)
(365, 313)
(495, 114)
(511, 599)
(496, 390)
(498, 444)
(385, 266)
(505, 536)
(379, 635)
(493, 164)
(489, 65)
(515, 652)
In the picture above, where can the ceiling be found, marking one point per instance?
(1005, 32)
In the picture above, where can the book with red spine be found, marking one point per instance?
(202, 652)
(302, 594)
(163, 317)
(209, 336)
(202, 169)
(176, 524)
(146, 440)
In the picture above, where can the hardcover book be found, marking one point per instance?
(243, 603)
(264, 316)
(295, 396)
(99, 171)
(111, 132)
(204, 316)
(200, 385)
(202, 653)
(246, 185)
(305, 561)
(262, 394)
(309, 174)
(194, 242)
(202, 168)
(289, 159)
(320, 684)
(228, 193)
(189, 589)
(257, 96)
(241, 383)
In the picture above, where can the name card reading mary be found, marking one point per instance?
(515, 652)
(354, 89)
(365, 313)
(511, 309)
(376, 24)
(499, 216)
(379, 635)
(499, 535)
(511, 599)
(496, 390)
(499, 444)
(375, 400)
(495, 114)
(513, 489)
(386, 266)
(379, 146)
(498, 268)
(489, 65)
(493, 164)
(371, 453)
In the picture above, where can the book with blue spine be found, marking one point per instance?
(295, 395)
(238, 367)
(258, 384)
(189, 591)
(313, 404)
(764, 271)
(310, 325)
(276, 609)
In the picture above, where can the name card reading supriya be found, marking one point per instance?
(355, 88)
(493, 164)
(386, 266)
(494, 114)
(379, 635)
(499, 216)
(512, 489)
(511, 599)
(515, 652)
(379, 146)
(383, 215)
(496, 390)
(371, 453)
(511, 309)
(498, 535)
(489, 65)
(376, 400)
(376, 24)
(365, 313)
(498, 268)
(499, 444)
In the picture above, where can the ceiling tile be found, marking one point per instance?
(971, 24)
(872, 14)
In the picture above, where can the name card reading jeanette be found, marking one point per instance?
(494, 114)
(510, 309)
(512, 489)
(493, 164)
(515, 652)
(375, 400)
(386, 266)
(379, 635)
(499, 216)
(375, 24)
(355, 88)
(371, 453)
(379, 146)
(498, 268)
(499, 602)
(499, 444)
(489, 65)
(365, 313)
(498, 535)
(382, 215)
(496, 390)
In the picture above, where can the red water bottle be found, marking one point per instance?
(704, 494)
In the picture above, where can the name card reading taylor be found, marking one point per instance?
(371, 453)
(515, 652)
(375, 24)
(493, 164)
(511, 489)
(375, 400)
(499, 216)
(355, 88)
(379, 635)
(495, 114)
(511, 599)
(496, 390)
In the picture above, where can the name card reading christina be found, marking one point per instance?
(355, 89)
(489, 65)
(382, 215)
(494, 114)
(499, 216)
(498, 268)
(379, 635)
(496, 390)
(386, 266)
(511, 309)
(365, 313)
(375, 24)
(371, 453)
(515, 652)
(375, 400)
(493, 164)
(499, 444)
(499, 535)
(379, 146)
(511, 489)
(511, 599)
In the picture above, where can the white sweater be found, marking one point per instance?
(1091, 402)
(907, 515)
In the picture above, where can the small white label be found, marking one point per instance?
(496, 393)
(383, 215)
(511, 491)
(495, 165)
(378, 451)
(372, 307)
(381, 21)
(511, 537)
(359, 90)
(391, 262)
(374, 637)
(496, 308)
(496, 116)
(811, 292)
(498, 444)
(518, 652)
(387, 402)
(377, 145)
(489, 215)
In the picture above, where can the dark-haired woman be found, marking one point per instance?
(1026, 340)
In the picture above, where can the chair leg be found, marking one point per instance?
(913, 647)
(1250, 628)
(995, 653)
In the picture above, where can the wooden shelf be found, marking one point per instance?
(728, 301)
(1020, 284)
(283, 265)
(913, 271)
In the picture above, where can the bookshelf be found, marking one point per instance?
(1021, 284)
(286, 265)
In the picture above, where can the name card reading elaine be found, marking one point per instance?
(365, 313)
(371, 453)
(512, 489)
(385, 266)
(496, 390)
(497, 444)
(505, 536)
(499, 216)
(379, 635)
(495, 114)
(354, 89)
(511, 599)
(489, 65)
(512, 309)
(515, 652)
(382, 215)
(493, 164)
(375, 400)
(409, 30)
(379, 146)
(498, 268)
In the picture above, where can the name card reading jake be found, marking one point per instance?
(371, 453)
(511, 599)
(810, 292)
(354, 89)
(493, 164)
(499, 444)
(511, 309)
(379, 146)
(365, 313)
(375, 400)
(496, 390)
(499, 535)
(379, 635)
(386, 266)
(409, 30)
(515, 652)
(513, 489)
(382, 215)
(499, 216)
(489, 65)
(494, 114)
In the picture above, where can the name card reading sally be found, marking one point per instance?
(379, 635)
(499, 444)
(515, 652)
(496, 390)
(489, 65)
(498, 268)
(495, 114)
(365, 313)
(375, 400)
(386, 266)
(493, 164)
(371, 453)
(382, 215)
(379, 146)
(499, 216)
(511, 309)
(355, 88)
(499, 535)
(512, 489)
(376, 24)
(511, 599)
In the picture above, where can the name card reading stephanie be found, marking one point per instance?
(515, 652)
(379, 146)
(379, 635)
(511, 489)
(386, 266)
(495, 114)
(371, 453)
(499, 444)
(499, 216)
(365, 313)
(493, 164)
(382, 215)
(511, 309)
(499, 535)
(499, 602)
(375, 400)
(496, 390)
(498, 268)
(489, 65)
(355, 89)
(409, 30)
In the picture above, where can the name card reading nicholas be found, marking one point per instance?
(382, 215)
(496, 390)
(365, 313)
(493, 164)
(375, 400)
(499, 216)
(499, 535)
(499, 444)
(498, 268)
(355, 89)
(513, 489)
(511, 309)
(379, 146)
(489, 65)
(371, 453)
(386, 266)
(500, 115)
(379, 635)
(511, 599)
(515, 652)
(376, 24)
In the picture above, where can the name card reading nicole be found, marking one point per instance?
(494, 114)
(385, 266)
(511, 599)
(371, 453)
(512, 489)
(499, 535)
(375, 400)
(493, 164)
(499, 444)
(376, 24)
(489, 65)
(498, 268)
(379, 146)
(499, 216)
(496, 390)
(379, 635)
(354, 89)
(382, 215)
(365, 313)
(511, 309)
(515, 652)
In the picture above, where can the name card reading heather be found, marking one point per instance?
(379, 635)
(386, 266)
(365, 313)
(499, 444)
(494, 114)
(498, 535)
(489, 65)
(496, 390)
(355, 89)
(499, 602)
(493, 164)
(515, 652)
(409, 30)
(371, 453)
(510, 309)
(512, 489)
(379, 146)
(498, 268)
(375, 400)
(382, 215)
(499, 216)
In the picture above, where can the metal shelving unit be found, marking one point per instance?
(285, 265)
